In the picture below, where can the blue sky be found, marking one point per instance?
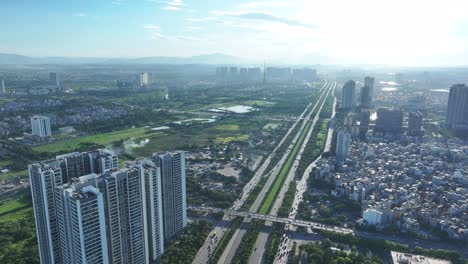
(401, 32)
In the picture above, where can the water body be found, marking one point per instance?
(440, 90)
(389, 89)
(160, 128)
(238, 109)
(389, 83)
(201, 120)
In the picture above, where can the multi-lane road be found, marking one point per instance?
(310, 121)
(217, 233)
(301, 187)
(303, 120)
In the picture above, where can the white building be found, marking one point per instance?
(154, 211)
(146, 78)
(56, 79)
(173, 192)
(81, 222)
(125, 206)
(44, 178)
(87, 211)
(2, 88)
(373, 216)
(343, 144)
(40, 126)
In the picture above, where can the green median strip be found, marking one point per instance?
(283, 173)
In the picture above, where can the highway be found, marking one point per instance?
(218, 232)
(301, 187)
(261, 242)
(230, 251)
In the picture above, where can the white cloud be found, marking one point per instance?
(154, 31)
(171, 8)
(174, 5)
(81, 14)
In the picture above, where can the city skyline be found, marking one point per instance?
(289, 32)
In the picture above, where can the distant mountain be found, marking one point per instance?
(215, 58)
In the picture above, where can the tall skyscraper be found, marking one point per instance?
(365, 97)
(369, 82)
(389, 120)
(457, 108)
(44, 178)
(2, 87)
(81, 221)
(154, 211)
(116, 216)
(40, 126)
(146, 78)
(347, 101)
(56, 79)
(343, 144)
(173, 192)
(125, 208)
(415, 123)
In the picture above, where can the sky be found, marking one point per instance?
(384, 32)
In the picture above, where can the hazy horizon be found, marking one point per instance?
(416, 33)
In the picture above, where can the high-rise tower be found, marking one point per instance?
(173, 192)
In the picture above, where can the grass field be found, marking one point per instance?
(101, 139)
(18, 243)
(283, 173)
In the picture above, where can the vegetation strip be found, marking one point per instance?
(225, 240)
(245, 248)
(184, 249)
(284, 172)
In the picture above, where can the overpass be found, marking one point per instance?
(272, 218)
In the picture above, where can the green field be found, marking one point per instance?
(101, 139)
(283, 173)
(18, 243)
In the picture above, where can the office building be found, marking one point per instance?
(369, 82)
(81, 222)
(146, 78)
(56, 78)
(365, 101)
(44, 178)
(305, 74)
(343, 144)
(222, 72)
(173, 192)
(40, 126)
(457, 108)
(415, 124)
(2, 87)
(373, 216)
(233, 71)
(125, 210)
(347, 101)
(276, 73)
(364, 123)
(254, 74)
(389, 121)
